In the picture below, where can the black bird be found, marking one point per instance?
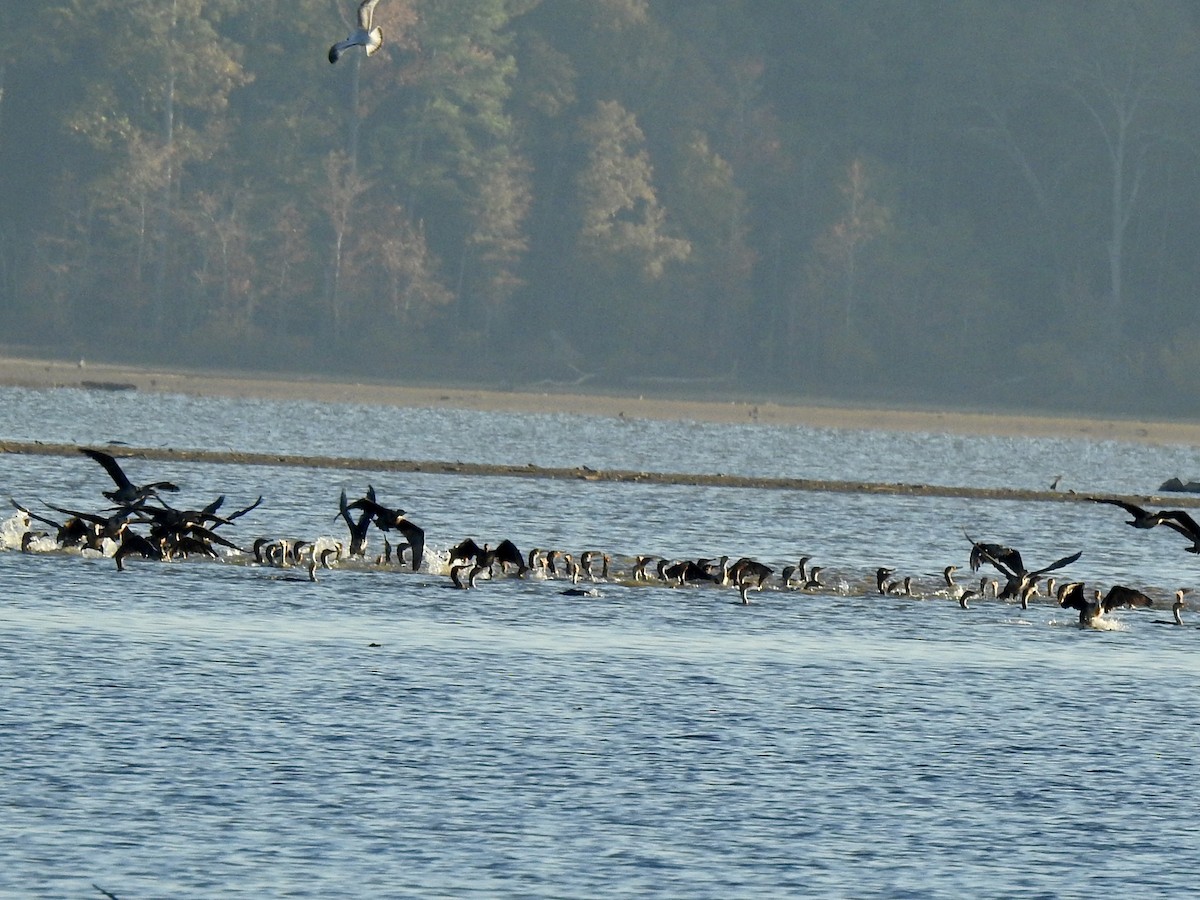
(506, 554)
(813, 582)
(1120, 596)
(191, 539)
(127, 493)
(131, 543)
(387, 519)
(996, 554)
(71, 533)
(1175, 519)
(464, 550)
(102, 526)
(639, 567)
(1008, 562)
(680, 572)
(1185, 525)
(1071, 596)
(749, 570)
(358, 530)
(472, 568)
(1177, 606)
(1142, 518)
(881, 575)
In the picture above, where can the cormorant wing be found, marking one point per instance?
(1119, 595)
(241, 512)
(416, 539)
(1065, 561)
(358, 530)
(467, 549)
(34, 515)
(1070, 596)
(1181, 522)
(86, 517)
(385, 517)
(209, 535)
(111, 467)
(1006, 560)
(132, 542)
(1136, 511)
(506, 552)
(368, 505)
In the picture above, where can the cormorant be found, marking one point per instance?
(127, 493)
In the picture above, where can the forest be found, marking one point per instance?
(992, 203)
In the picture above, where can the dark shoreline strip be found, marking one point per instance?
(581, 473)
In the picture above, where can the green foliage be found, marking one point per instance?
(920, 195)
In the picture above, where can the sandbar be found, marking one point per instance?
(24, 371)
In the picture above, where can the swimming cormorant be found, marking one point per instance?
(131, 543)
(1071, 596)
(1178, 605)
(881, 575)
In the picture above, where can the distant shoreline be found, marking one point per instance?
(44, 373)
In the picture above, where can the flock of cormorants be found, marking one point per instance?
(141, 523)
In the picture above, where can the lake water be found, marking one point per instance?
(204, 729)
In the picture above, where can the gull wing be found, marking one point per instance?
(366, 12)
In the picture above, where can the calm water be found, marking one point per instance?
(207, 729)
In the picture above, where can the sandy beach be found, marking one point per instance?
(42, 373)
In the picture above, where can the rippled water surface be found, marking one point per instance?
(567, 440)
(201, 729)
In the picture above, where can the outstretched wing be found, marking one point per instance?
(1119, 595)
(110, 466)
(1181, 522)
(34, 515)
(466, 549)
(86, 517)
(1136, 511)
(1058, 564)
(1070, 596)
(242, 512)
(1006, 560)
(212, 537)
(366, 11)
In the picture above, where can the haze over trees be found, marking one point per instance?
(968, 201)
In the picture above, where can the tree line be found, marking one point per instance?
(984, 201)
